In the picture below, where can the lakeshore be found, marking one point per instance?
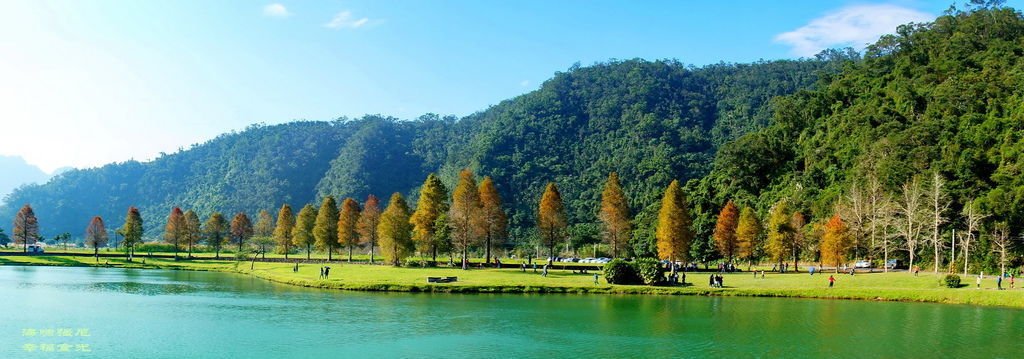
(894, 286)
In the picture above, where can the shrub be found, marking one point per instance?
(951, 281)
(649, 270)
(417, 263)
(618, 271)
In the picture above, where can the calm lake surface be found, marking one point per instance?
(179, 314)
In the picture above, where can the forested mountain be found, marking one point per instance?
(941, 98)
(651, 121)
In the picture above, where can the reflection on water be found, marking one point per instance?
(148, 313)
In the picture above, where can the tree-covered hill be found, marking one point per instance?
(942, 97)
(651, 121)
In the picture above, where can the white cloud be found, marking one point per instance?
(853, 26)
(275, 10)
(345, 20)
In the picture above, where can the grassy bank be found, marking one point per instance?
(874, 286)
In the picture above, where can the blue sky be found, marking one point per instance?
(84, 82)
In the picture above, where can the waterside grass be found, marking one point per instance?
(897, 286)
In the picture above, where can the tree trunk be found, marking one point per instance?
(217, 251)
(371, 252)
(465, 265)
(487, 248)
(350, 253)
(330, 252)
(308, 250)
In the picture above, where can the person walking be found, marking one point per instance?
(545, 273)
(327, 272)
(711, 281)
(595, 279)
(999, 282)
(1012, 277)
(979, 281)
(831, 281)
(321, 272)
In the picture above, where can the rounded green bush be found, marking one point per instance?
(618, 271)
(649, 270)
(951, 281)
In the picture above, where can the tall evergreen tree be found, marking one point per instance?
(302, 233)
(495, 222)
(174, 231)
(551, 220)
(465, 215)
(325, 231)
(674, 232)
(348, 219)
(725, 231)
(96, 236)
(283, 229)
(395, 231)
(132, 231)
(241, 230)
(614, 215)
(26, 227)
(432, 203)
(369, 219)
(216, 231)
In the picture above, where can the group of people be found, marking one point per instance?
(999, 281)
(715, 281)
(325, 272)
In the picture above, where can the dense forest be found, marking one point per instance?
(649, 120)
(932, 112)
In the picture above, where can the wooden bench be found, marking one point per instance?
(442, 279)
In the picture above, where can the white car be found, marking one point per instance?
(862, 264)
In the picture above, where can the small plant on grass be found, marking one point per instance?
(951, 281)
(649, 270)
(618, 271)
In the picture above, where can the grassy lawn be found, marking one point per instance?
(899, 286)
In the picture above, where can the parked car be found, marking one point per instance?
(35, 248)
(892, 263)
(862, 264)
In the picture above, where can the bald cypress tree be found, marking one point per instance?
(551, 220)
(495, 222)
(369, 219)
(395, 231)
(780, 232)
(263, 232)
(216, 232)
(348, 219)
(748, 234)
(465, 215)
(302, 233)
(674, 231)
(96, 235)
(174, 231)
(193, 230)
(241, 229)
(26, 227)
(432, 203)
(132, 231)
(325, 230)
(283, 229)
(614, 215)
(725, 231)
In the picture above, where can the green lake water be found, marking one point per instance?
(124, 313)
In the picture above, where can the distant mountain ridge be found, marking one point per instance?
(15, 172)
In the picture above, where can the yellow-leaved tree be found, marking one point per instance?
(748, 235)
(614, 215)
(674, 231)
(348, 235)
(495, 222)
(395, 231)
(551, 221)
(325, 230)
(465, 216)
(283, 229)
(431, 204)
(835, 242)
